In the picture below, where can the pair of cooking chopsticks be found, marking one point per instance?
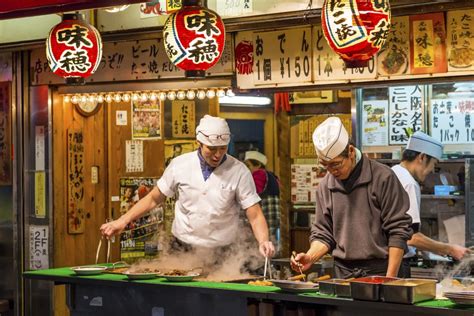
(267, 263)
(293, 255)
(98, 250)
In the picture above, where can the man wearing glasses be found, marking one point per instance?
(212, 187)
(361, 210)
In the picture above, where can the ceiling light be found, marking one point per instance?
(245, 100)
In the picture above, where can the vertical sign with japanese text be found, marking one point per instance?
(428, 46)
(460, 40)
(282, 56)
(405, 113)
(451, 120)
(134, 156)
(75, 181)
(329, 66)
(39, 245)
(183, 118)
(394, 59)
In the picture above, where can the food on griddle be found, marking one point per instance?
(321, 278)
(261, 283)
(298, 277)
(176, 272)
(143, 270)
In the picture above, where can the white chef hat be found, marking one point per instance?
(256, 155)
(213, 131)
(425, 144)
(330, 138)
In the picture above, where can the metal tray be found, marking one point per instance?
(328, 287)
(409, 291)
(369, 288)
(343, 289)
(88, 270)
(295, 286)
(140, 275)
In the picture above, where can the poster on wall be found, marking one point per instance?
(375, 123)
(5, 135)
(134, 156)
(405, 113)
(451, 120)
(394, 58)
(428, 46)
(304, 180)
(75, 181)
(146, 119)
(140, 237)
(183, 117)
(460, 40)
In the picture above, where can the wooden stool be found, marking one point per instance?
(4, 306)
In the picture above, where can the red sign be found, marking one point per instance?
(22, 8)
(194, 39)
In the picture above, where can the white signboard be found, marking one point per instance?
(230, 8)
(134, 60)
(304, 180)
(39, 243)
(329, 66)
(282, 56)
(375, 123)
(39, 148)
(451, 120)
(405, 113)
(134, 156)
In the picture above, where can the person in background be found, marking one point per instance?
(268, 188)
(418, 160)
(361, 210)
(212, 188)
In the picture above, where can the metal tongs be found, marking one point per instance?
(112, 239)
(293, 255)
(269, 265)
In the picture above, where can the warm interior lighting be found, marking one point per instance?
(245, 100)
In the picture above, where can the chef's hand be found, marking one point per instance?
(266, 249)
(458, 252)
(112, 228)
(301, 260)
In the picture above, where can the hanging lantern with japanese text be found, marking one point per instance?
(194, 38)
(356, 29)
(74, 49)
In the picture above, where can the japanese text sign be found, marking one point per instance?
(183, 118)
(460, 40)
(75, 181)
(451, 120)
(405, 113)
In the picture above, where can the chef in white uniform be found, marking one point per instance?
(418, 160)
(212, 188)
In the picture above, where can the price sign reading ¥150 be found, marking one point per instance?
(282, 56)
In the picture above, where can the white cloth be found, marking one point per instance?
(425, 144)
(207, 212)
(330, 138)
(213, 126)
(256, 155)
(414, 193)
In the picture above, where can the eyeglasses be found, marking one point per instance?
(224, 137)
(334, 165)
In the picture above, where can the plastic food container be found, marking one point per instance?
(409, 291)
(369, 288)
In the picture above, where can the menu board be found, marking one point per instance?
(460, 40)
(304, 180)
(375, 123)
(451, 120)
(393, 59)
(405, 113)
(428, 46)
(329, 66)
(282, 56)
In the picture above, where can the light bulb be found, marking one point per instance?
(91, 98)
(75, 99)
(162, 96)
(171, 95)
(181, 95)
(100, 98)
(126, 97)
(210, 94)
(220, 93)
(144, 97)
(135, 97)
(67, 99)
(230, 93)
(201, 94)
(83, 99)
(108, 98)
(153, 97)
(117, 98)
(191, 95)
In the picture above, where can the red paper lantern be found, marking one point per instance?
(194, 39)
(74, 49)
(356, 29)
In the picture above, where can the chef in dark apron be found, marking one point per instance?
(361, 210)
